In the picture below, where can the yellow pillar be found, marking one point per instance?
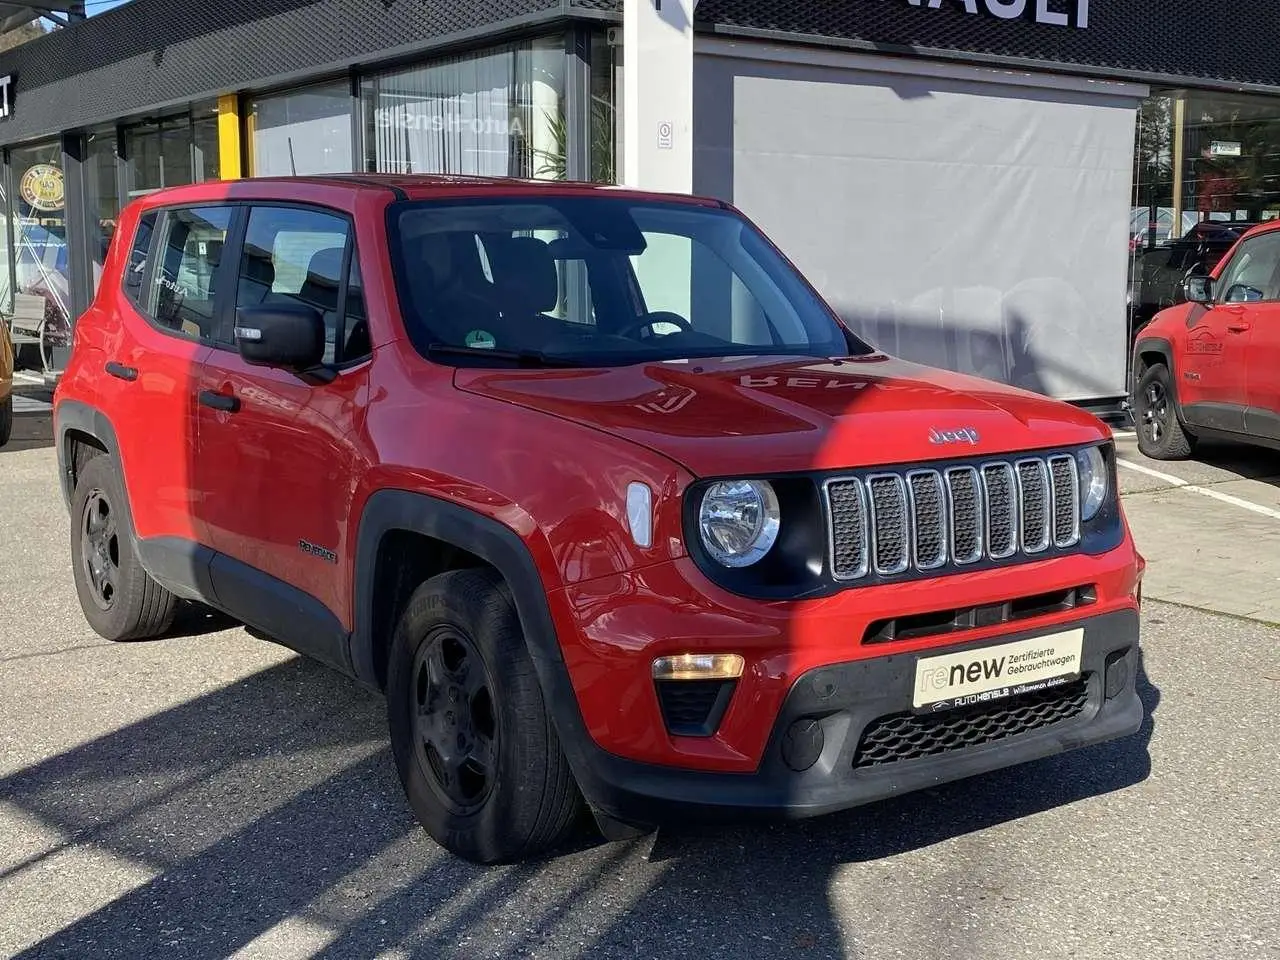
(229, 137)
(1179, 161)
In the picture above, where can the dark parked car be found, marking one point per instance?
(1162, 271)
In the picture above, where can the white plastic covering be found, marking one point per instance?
(966, 218)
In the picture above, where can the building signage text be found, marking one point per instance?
(1056, 13)
(6, 99)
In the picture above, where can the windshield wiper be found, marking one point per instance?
(521, 358)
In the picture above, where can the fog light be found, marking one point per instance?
(698, 666)
(802, 744)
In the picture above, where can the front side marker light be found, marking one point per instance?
(640, 514)
(699, 666)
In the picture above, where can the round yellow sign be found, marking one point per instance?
(42, 187)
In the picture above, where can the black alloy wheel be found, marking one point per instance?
(119, 598)
(1155, 412)
(1161, 434)
(100, 549)
(474, 743)
(455, 720)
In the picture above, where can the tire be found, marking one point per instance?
(6, 419)
(506, 793)
(1161, 435)
(118, 597)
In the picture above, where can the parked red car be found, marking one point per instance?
(1210, 367)
(599, 491)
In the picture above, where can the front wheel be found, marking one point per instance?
(1161, 435)
(473, 741)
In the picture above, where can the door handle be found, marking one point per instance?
(1238, 326)
(219, 401)
(121, 372)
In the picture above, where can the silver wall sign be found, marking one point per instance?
(1055, 13)
(6, 98)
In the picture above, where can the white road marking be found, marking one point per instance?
(1203, 491)
(1125, 434)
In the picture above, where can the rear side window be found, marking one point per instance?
(299, 255)
(180, 299)
(135, 269)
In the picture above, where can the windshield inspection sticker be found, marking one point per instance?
(481, 340)
(993, 673)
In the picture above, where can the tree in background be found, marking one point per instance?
(20, 35)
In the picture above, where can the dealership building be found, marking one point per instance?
(968, 182)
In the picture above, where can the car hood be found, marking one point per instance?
(720, 417)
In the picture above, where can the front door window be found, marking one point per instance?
(1251, 276)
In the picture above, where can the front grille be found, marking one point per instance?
(908, 736)
(888, 523)
(891, 524)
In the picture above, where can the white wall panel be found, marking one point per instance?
(966, 218)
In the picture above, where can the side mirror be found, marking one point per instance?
(1198, 289)
(288, 335)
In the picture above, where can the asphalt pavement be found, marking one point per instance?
(211, 795)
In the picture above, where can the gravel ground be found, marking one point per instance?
(211, 795)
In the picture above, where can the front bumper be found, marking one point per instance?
(845, 701)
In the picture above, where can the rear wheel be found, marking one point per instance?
(118, 597)
(1161, 435)
(474, 743)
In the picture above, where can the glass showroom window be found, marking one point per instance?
(205, 158)
(302, 132)
(103, 199)
(38, 241)
(1208, 167)
(606, 80)
(1205, 156)
(499, 112)
(172, 151)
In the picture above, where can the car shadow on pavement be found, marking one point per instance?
(196, 620)
(273, 803)
(31, 431)
(1245, 461)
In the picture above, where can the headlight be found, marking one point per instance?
(738, 521)
(1093, 482)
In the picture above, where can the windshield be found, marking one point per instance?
(600, 281)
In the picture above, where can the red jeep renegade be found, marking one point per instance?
(599, 491)
(1210, 367)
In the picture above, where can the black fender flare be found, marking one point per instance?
(1163, 347)
(1157, 344)
(502, 548)
(76, 415)
(1153, 345)
(494, 542)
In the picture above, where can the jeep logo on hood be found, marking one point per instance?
(963, 435)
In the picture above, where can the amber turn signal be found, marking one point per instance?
(698, 666)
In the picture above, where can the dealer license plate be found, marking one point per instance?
(993, 673)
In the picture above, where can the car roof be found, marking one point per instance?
(1269, 226)
(319, 187)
